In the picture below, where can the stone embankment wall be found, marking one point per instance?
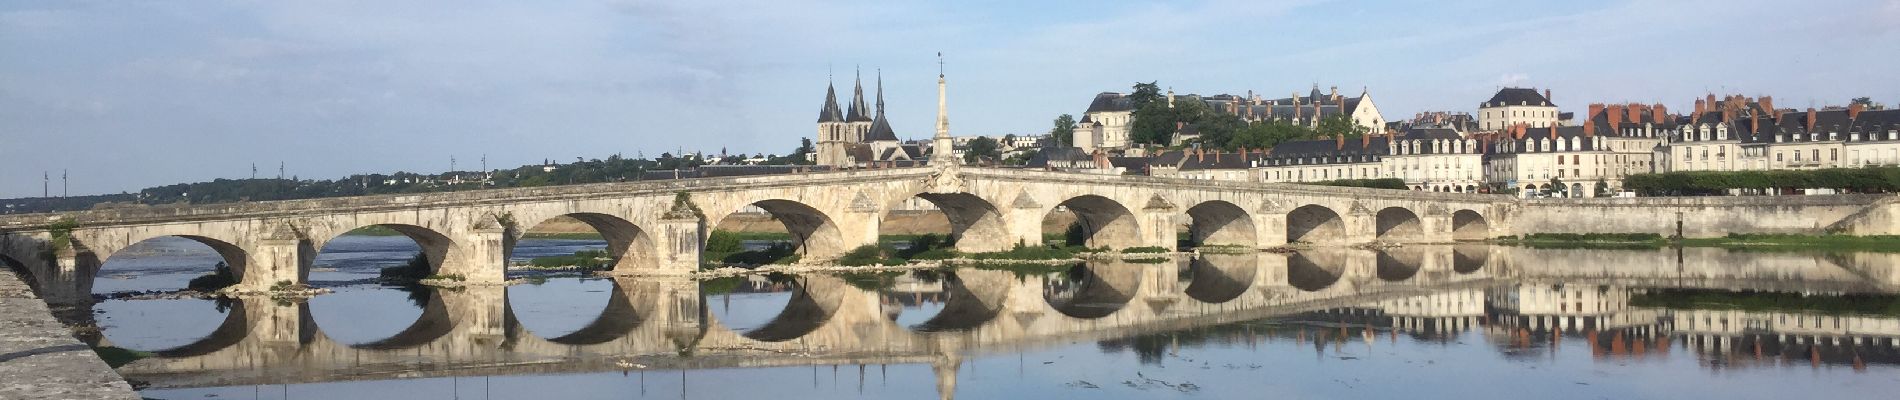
(40, 359)
(1698, 217)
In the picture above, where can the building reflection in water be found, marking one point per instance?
(1525, 303)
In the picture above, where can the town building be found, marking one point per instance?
(1514, 106)
(854, 137)
(1107, 121)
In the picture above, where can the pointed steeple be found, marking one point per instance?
(830, 113)
(858, 110)
(940, 152)
(880, 128)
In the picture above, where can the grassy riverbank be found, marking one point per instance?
(1696, 299)
(1747, 242)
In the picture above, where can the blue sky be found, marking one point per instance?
(130, 94)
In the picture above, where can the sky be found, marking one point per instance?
(123, 95)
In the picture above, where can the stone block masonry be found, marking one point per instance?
(40, 359)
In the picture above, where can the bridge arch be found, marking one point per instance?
(435, 248)
(434, 323)
(616, 320)
(232, 331)
(815, 299)
(1315, 223)
(813, 233)
(1398, 224)
(1101, 222)
(627, 246)
(1468, 225)
(1218, 222)
(1088, 292)
(975, 298)
(232, 256)
(1314, 272)
(1395, 266)
(1220, 278)
(1467, 259)
(975, 224)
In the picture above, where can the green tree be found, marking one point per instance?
(980, 149)
(1064, 132)
(1557, 186)
(1145, 93)
(1155, 123)
(1340, 124)
(1867, 102)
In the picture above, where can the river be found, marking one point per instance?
(1469, 321)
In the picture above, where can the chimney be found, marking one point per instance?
(1589, 125)
(1853, 111)
(1768, 104)
(1547, 98)
(1216, 156)
(1728, 114)
(1711, 99)
(1754, 123)
(1200, 155)
(1615, 115)
(1810, 119)
(1595, 108)
(1658, 113)
(1365, 140)
(1335, 93)
(1339, 142)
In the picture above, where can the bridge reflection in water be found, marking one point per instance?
(1521, 300)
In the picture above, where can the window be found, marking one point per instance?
(1817, 154)
(1833, 154)
(1797, 155)
(1777, 156)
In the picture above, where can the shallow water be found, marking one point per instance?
(1431, 322)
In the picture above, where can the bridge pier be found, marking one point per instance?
(271, 324)
(276, 258)
(1362, 226)
(483, 254)
(1269, 229)
(676, 249)
(1024, 225)
(479, 317)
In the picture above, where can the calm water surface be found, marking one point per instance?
(1422, 322)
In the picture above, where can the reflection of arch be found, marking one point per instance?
(615, 321)
(234, 256)
(966, 309)
(1399, 265)
(812, 231)
(1104, 222)
(813, 302)
(1087, 292)
(1398, 224)
(1308, 274)
(1219, 278)
(974, 222)
(1220, 223)
(625, 241)
(1469, 225)
(235, 328)
(1467, 259)
(434, 323)
(1314, 223)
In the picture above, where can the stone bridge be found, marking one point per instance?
(658, 227)
(655, 320)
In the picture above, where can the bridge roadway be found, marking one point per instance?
(654, 320)
(658, 227)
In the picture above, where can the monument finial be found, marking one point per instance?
(940, 64)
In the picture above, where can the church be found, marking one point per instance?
(851, 138)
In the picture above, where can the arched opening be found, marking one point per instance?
(1097, 222)
(1399, 265)
(128, 319)
(405, 314)
(772, 232)
(1398, 224)
(970, 299)
(1314, 223)
(1467, 225)
(1313, 272)
(1530, 191)
(813, 301)
(1467, 259)
(929, 221)
(550, 310)
(582, 242)
(1576, 190)
(1220, 223)
(572, 310)
(1088, 292)
(1219, 278)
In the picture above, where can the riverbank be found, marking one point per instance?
(1745, 242)
(40, 359)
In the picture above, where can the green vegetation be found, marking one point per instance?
(116, 357)
(721, 285)
(1025, 269)
(729, 248)
(983, 149)
(1146, 249)
(1064, 132)
(373, 230)
(1747, 242)
(1021, 252)
(1380, 183)
(1144, 259)
(416, 269)
(867, 255)
(1871, 304)
(585, 260)
(564, 235)
(446, 277)
(871, 281)
(221, 277)
(1702, 183)
(928, 247)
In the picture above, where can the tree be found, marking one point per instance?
(1155, 123)
(1064, 132)
(1867, 102)
(981, 148)
(1145, 93)
(1338, 125)
(1603, 188)
(1557, 186)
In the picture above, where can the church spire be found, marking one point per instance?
(880, 92)
(880, 127)
(941, 146)
(858, 111)
(829, 112)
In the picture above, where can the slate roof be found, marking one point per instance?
(1517, 96)
(880, 130)
(1327, 151)
(1216, 160)
(830, 112)
(1111, 101)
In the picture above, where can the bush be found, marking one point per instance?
(221, 277)
(724, 242)
(777, 253)
(1701, 183)
(1146, 249)
(416, 269)
(585, 259)
(1594, 237)
(1029, 253)
(862, 256)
